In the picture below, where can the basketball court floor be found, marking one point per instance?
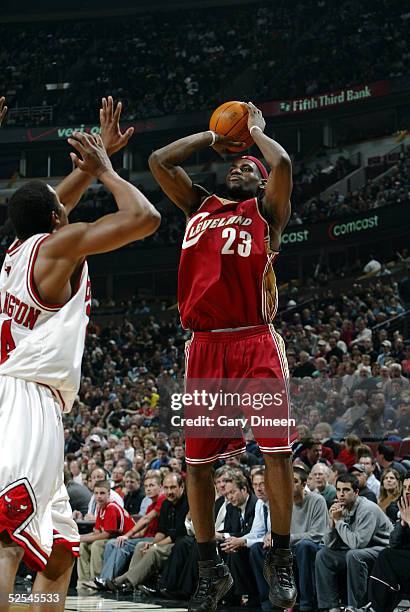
(106, 602)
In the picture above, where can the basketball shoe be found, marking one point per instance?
(215, 581)
(278, 573)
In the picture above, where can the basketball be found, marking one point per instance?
(231, 119)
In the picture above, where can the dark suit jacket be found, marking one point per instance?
(232, 523)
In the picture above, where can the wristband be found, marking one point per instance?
(213, 137)
(255, 127)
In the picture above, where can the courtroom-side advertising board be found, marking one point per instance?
(293, 106)
(330, 99)
(348, 229)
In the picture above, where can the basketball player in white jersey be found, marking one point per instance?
(44, 301)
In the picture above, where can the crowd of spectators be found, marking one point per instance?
(392, 189)
(350, 392)
(69, 65)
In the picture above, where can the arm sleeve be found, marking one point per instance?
(111, 521)
(330, 537)
(163, 519)
(257, 531)
(399, 535)
(362, 532)
(317, 526)
(158, 505)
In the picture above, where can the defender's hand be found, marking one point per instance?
(255, 117)
(111, 134)
(95, 160)
(3, 109)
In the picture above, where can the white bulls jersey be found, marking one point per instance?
(40, 342)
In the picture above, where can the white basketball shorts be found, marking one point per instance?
(34, 504)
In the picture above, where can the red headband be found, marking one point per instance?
(264, 173)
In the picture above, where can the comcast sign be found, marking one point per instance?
(336, 230)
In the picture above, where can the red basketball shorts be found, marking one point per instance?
(253, 353)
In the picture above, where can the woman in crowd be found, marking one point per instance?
(390, 491)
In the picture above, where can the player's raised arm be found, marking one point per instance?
(136, 218)
(72, 188)
(3, 109)
(279, 184)
(174, 181)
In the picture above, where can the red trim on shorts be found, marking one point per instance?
(73, 547)
(34, 556)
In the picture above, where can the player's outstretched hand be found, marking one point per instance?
(3, 109)
(94, 159)
(223, 143)
(111, 134)
(255, 117)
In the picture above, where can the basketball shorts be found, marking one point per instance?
(34, 504)
(252, 353)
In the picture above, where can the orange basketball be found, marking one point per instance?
(231, 119)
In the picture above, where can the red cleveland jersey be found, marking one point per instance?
(226, 278)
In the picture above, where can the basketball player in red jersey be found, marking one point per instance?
(44, 308)
(227, 297)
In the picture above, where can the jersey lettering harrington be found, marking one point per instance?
(42, 343)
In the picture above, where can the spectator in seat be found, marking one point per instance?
(308, 526)
(348, 455)
(240, 514)
(149, 556)
(385, 459)
(313, 452)
(390, 577)
(133, 493)
(372, 482)
(221, 477)
(75, 471)
(79, 496)
(320, 474)
(359, 471)
(162, 457)
(117, 478)
(118, 552)
(336, 470)
(390, 491)
(357, 411)
(179, 578)
(112, 520)
(403, 422)
(323, 432)
(138, 464)
(98, 475)
(304, 367)
(358, 531)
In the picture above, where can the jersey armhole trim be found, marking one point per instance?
(257, 201)
(31, 286)
(15, 245)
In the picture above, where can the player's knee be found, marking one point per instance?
(60, 562)
(199, 472)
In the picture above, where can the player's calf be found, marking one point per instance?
(10, 557)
